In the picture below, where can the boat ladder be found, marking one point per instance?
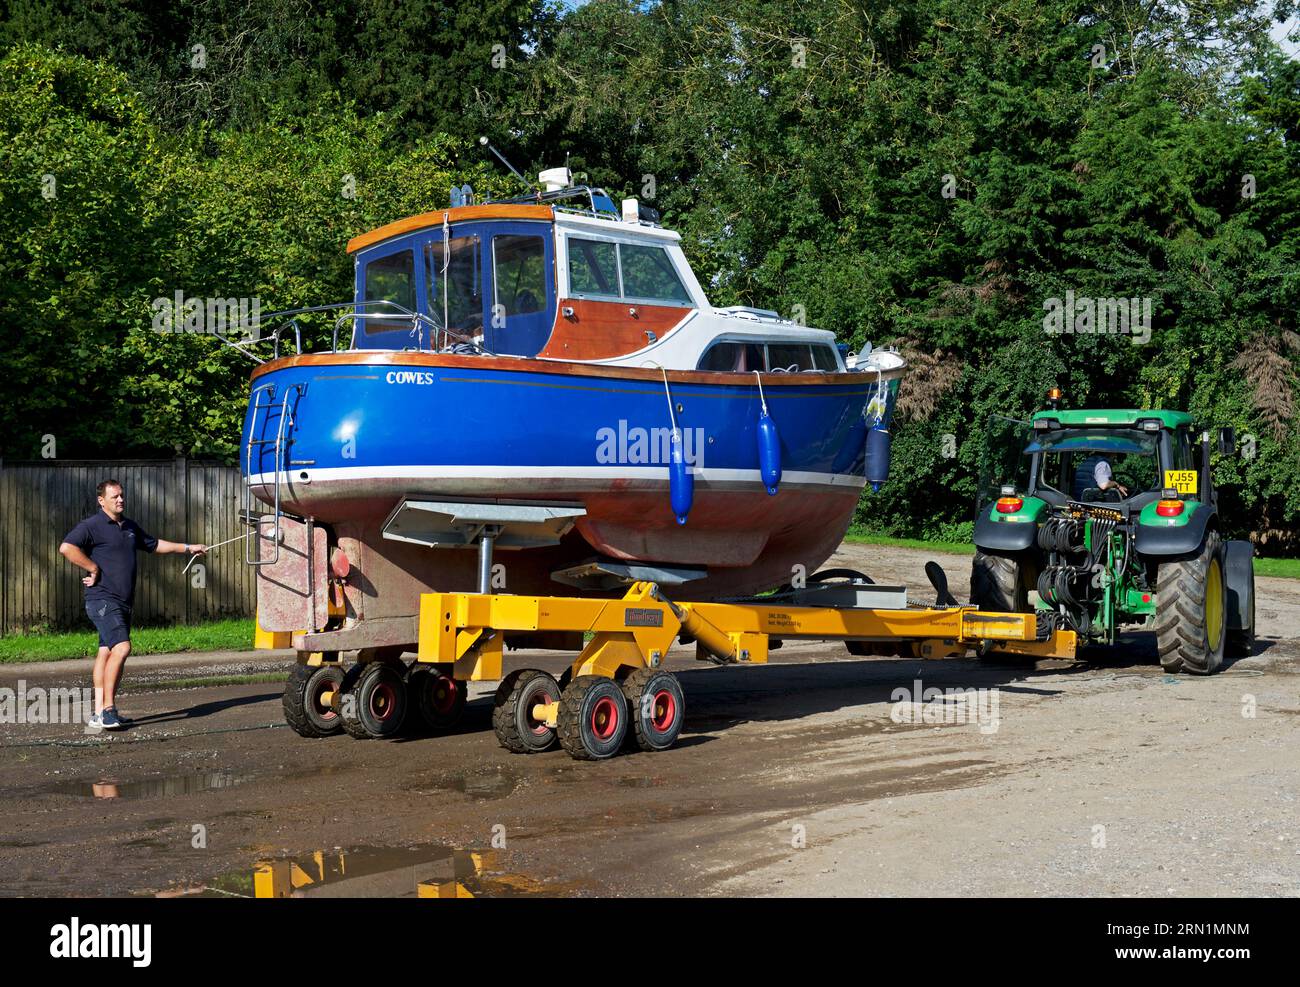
(256, 440)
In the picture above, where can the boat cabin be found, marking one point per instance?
(543, 281)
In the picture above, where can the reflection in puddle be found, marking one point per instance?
(641, 782)
(480, 784)
(373, 872)
(185, 784)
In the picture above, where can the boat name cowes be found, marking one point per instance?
(651, 446)
(408, 377)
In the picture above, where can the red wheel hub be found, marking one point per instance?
(537, 726)
(663, 711)
(604, 718)
(322, 687)
(445, 689)
(382, 701)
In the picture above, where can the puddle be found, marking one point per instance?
(640, 782)
(491, 784)
(426, 871)
(146, 788)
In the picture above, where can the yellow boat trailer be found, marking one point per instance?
(626, 641)
(615, 692)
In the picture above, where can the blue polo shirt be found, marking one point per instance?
(112, 547)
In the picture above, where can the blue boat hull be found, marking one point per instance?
(359, 432)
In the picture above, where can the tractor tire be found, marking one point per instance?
(593, 718)
(1241, 643)
(303, 710)
(1241, 640)
(512, 714)
(657, 706)
(1192, 610)
(998, 582)
(374, 701)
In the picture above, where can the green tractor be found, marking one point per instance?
(1112, 520)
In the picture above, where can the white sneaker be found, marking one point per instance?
(95, 724)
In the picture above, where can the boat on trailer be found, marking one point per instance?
(536, 394)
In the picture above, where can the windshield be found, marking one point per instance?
(1075, 461)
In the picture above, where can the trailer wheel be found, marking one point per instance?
(374, 701)
(657, 708)
(1192, 611)
(516, 728)
(304, 708)
(593, 718)
(438, 696)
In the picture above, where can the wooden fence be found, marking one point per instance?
(178, 500)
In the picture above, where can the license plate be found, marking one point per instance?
(1184, 481)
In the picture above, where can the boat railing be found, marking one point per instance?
(423, 327)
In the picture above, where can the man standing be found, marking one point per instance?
(105, 544)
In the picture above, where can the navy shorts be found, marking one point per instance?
(111, 619)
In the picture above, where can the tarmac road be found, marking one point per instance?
(1099, 777)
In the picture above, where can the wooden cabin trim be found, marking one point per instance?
(459, 214)
(601, 330)
(410, 358)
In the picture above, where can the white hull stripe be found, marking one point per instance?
(846, 480)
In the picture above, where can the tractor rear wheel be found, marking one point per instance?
(999, 582)
(1192, 610)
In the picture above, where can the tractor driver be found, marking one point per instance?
(1095, 472)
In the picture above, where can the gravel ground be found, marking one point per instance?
(804, 777)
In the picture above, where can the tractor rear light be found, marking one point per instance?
(1169, 508)
(1009, 505)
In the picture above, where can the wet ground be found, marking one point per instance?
(811, 775)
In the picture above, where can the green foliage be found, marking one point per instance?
(928, 173)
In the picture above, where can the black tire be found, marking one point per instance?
(1183, 601)
(374, 701)
(1241, 643)
(998, 582)
(657, 707)
(303, 709)
(512, 712)
(438, 697)
(593, 718)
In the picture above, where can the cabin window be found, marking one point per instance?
(790, 357)
(593, 268)
(739, 357)
(632, 271)
(648, 273)
(464, 302)
(733, 357)
(390, 279)
(824, 358)
(519, 264)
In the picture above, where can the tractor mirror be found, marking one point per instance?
(1227, 441)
